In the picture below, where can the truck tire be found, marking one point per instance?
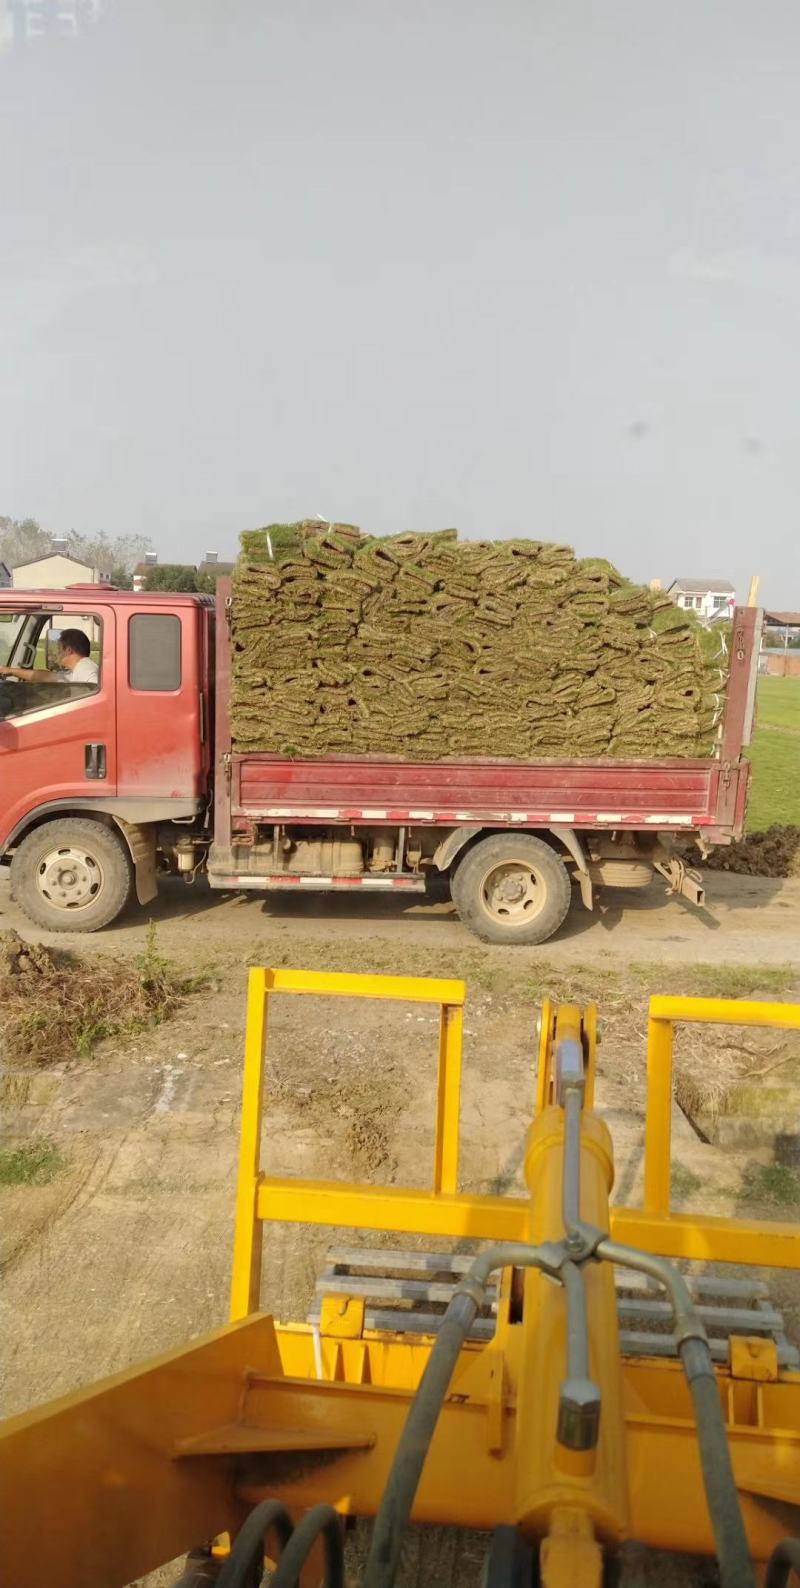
(73, 875)
(512, 888)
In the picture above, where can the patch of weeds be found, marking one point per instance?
(741, 981)
(495, 971)
(521, 980)
(35, 1163)
(685, 1183)
(57, 1006)
(15, 1090)
(771, 1182)
(717, 981)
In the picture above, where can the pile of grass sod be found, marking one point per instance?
(425, 647)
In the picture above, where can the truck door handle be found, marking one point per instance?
(94, 760)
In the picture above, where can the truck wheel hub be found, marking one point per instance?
(69, 878)
(511, 892)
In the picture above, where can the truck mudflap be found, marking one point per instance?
(141, 841)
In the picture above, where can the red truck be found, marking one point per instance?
(107, 785)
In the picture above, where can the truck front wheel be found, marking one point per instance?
(512, 888)
(72, 875)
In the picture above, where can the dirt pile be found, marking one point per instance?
(18, 958)
(773, 853)
(56, 1006)
(425, 647)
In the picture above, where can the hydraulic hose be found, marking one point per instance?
(322, 1522)
(579, 1397)
(735, 1569)
(722, 1495)
(414, 1442)
(784, 1558)
(571, 1184)
(244, 1567)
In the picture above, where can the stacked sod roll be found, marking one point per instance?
(428, 648)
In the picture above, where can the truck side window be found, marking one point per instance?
(154, 652)
(47, 660)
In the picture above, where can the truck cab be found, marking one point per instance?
(90, 774)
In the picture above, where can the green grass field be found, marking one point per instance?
(775, 754)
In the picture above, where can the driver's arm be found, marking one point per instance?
(29, 675)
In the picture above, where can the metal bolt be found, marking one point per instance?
(578, 1414)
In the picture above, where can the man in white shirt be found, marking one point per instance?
(76, 665)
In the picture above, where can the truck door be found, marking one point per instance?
(57, 738)
(161, 711)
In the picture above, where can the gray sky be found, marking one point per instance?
(523, 266)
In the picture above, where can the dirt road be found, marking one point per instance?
(747, 920)
(127, 1250)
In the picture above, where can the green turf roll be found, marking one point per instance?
(425, 647)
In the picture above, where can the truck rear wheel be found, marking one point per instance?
(512, 888)
(72, 875)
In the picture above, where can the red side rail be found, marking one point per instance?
(649, 795)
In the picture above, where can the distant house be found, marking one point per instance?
(781, 626)
(142, 569)
(5, 577)
(780, 644)
(709, 598)
(212, 565)
(53, 572)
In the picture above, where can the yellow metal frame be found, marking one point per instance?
(712, 1239)
(254, 1199)
(663, 1016)
(442, 1210)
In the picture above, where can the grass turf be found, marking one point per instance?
(775, 754)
